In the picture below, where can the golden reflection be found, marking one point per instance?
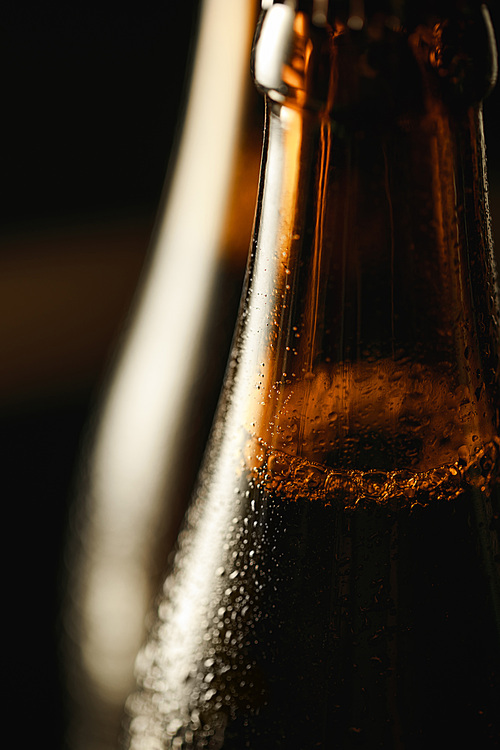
(327, 414)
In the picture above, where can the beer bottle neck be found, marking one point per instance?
(369, 338)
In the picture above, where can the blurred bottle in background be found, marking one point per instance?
(144, 447)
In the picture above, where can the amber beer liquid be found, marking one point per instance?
(337, 581)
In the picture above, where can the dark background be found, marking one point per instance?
(91, 99)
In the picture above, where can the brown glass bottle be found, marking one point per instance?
(337, 582)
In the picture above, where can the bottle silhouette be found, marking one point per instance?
(146, 437)
(336, 584)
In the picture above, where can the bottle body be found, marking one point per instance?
(337, 581)
(326, 626)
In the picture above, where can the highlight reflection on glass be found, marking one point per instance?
(139, 438)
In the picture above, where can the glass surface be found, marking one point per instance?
(337, 583)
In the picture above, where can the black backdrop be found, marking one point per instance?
(91, 98)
